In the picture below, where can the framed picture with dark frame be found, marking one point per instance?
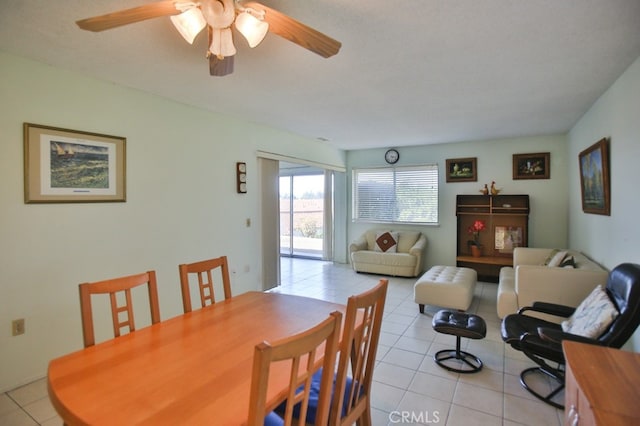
(71, 166)
(594, 178)
(532, 166)
(462, 169)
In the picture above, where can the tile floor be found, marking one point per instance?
(409, 388)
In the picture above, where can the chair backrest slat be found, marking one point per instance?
(358, 348)
(203, 271)
(303, 352)
(112, 287)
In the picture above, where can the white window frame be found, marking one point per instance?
(388, 185)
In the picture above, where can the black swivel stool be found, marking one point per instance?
(460, 325)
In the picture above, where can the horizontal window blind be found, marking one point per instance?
(396, 195)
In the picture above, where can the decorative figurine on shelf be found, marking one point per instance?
(494, 190)
(485, 190)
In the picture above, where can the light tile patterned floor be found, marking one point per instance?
(409, 388)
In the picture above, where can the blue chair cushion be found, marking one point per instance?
(314, 394)
(272, 419)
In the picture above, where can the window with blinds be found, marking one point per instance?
(396, 195)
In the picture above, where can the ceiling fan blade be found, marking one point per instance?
(220, 67)
(297, 32)
(129, 16)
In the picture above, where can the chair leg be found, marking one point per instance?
(548, 398)
(365, 418)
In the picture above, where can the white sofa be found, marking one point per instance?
(530, 280)
(406, 261)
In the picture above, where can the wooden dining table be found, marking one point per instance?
(191, 369)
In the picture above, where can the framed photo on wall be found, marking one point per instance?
(462, 169)
(532, 166)
(594, 178)
(71, 166)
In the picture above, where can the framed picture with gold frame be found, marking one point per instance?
(72, 166)
(594, 178)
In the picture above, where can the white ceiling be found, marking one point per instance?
(410, 72)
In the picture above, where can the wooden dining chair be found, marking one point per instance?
(363, 320)
(351, 401)
(304, 352)
(203, 270)
(114, 287)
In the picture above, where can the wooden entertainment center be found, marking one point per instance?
(506, 219)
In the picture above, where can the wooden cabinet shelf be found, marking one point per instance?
(506, 219)
(487, 260)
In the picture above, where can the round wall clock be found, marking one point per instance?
(391, 156)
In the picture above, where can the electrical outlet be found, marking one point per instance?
(17, 327)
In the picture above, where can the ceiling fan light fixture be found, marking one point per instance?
(252, 28)
(189, 23)
(222, 43)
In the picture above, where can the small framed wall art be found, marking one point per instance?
(241, 177)
(462, 169)
(532, 166)
(71, 166)
(594, 178)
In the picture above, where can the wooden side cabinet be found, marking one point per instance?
(601, 386)
(506, 218)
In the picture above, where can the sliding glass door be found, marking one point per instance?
(301, 211)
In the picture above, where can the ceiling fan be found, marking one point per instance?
(252, 20)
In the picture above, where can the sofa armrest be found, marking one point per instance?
(359, 244)
(418, 248)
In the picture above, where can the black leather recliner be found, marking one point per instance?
(541, 340)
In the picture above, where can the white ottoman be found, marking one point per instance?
(446, 286)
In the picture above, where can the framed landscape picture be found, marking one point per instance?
(70, 166)
(531, 166)
(462, 170)
(594, 178)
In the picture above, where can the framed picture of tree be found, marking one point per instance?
(594, 178)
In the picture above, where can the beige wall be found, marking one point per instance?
(181, 205)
